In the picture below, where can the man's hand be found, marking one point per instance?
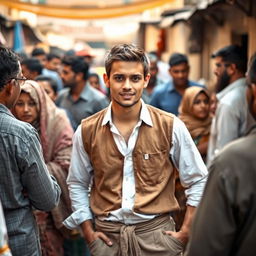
(181, 236)
(90, 235)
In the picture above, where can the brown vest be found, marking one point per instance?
(153, 170)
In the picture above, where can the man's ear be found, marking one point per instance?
(9, 87)
(231, 69)
(106, 80)
(79, 76)
(146, 80)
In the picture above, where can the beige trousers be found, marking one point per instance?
(143, 239)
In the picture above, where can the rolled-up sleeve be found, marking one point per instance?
(79, 179)
(187, 159)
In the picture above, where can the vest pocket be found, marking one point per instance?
(151, 166)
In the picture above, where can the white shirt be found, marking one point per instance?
(232, 118)
(184, 154)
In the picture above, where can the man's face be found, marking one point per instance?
(42, 58)
(16, 89)
(126, 82)
(54, 64)
(180, 74)
(68, 76)
(223, 78)
(30, 75)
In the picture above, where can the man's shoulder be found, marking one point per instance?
(96, 95)
(240, 150)
(94, 118)
(161, 113)
(194, 83)
(16, 128)
(162, 88)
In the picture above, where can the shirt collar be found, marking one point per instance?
(5, 110)
(171, 87)
(144, 115)
(238, 82)
(86, 93)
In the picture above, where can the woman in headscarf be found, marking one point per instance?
(194, 111)
(35, 107)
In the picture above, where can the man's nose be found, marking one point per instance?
(127, 84)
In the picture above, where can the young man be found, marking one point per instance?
(225, 222)
(168, 96)
(126, 150)
(231, 119)
(78, 98)
(25, 181)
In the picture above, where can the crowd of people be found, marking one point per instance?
(140, 165)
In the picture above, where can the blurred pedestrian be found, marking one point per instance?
(78, 98)
(154, 80)
(195, 113)
(36, 108)
(31, 68)
(231, 119)
(49, 85)
(25, 181)
(225, 222)
(168, 97)
(132, 176)
(94, 81)
(53, 62)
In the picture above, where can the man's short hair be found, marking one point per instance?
(127, 53)
(51, 56)
(37, 52)
(33, 64)
(177, 58)
(48, 79)
(9, 66)
(77, 64)
(233, 54)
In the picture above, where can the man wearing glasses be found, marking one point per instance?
(25, 181)
(232, 118)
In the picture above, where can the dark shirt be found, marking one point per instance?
(167, 98)
(25, 182)
(225, 223)
(90, 102)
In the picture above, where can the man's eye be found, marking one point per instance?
(136, 78)
(118, 78)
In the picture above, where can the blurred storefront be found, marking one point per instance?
(199, 28)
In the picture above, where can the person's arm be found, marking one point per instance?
(228, 125)
(214, 225)
(192, 173)
(41, 188)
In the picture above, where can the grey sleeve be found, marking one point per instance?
(214, 226)
(41, 188)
